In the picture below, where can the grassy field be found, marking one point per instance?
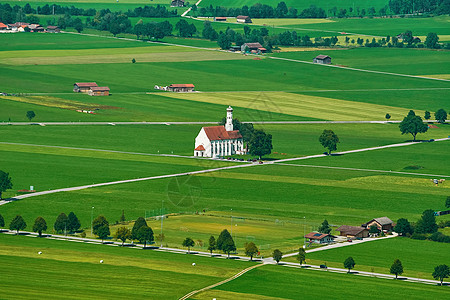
(73, 271)
(378, 256)
(272, 282)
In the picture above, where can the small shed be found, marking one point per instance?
(322, 59)
(220, 19)
(99, 91)
(319, 238)
(235, 48)
(243, 19)
(53, 29)
(383, 223)
(353, 231)
(251, 47)
(181, 88)
(83, 87)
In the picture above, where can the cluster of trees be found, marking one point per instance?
(437, 7)
(140, 231)
(154, 30)
(413, 124)
(258, 142)
(223, 243)
(11, 14)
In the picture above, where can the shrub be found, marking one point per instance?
(418, 236)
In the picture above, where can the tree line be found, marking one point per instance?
(437, 7)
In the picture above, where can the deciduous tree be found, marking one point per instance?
(225, 242)
(18, 223)
(145, 234)
(212, 244)
(328, 139)
(30, 115)
(2, 221)
(39, 225)
(123, 234)
(396, 268)
(441, 115)
(349, 263)
(447, 202)
(427, 115)
(99, 225)
(260, 143)
(413, 124)
(403, 227)
(432, 40)
(5, 182)
(277, 255)
(188, 242)
(251, 250)
(73, 224)
(387, 116)
(61, 223)
(301, 257)
(441, 272)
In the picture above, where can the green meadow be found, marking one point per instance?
(272, 282)
(378, 256)
(73, 270)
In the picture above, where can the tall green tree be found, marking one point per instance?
(251, 250)
(324, 227)
(188, 242)
(61, 223)
(225, 242)
(260, 143)
(441, 272)
(413, 125)
(403, 227)
(349, 263)
(5, 182)
(432, 40)
(223, 41)
(441, 115)
(123, 234)
(387, 116)
(30, 115)
(277, 255)
(301, 257)
(212, 244)
(2, 221)
(73, 224)
(447, 202)
(396, 268)
(103, 232)
(145, 235)
(18, 223)
(328, 139)
(122, 217)
(39, 225)
(427, 223)
(98, 226)
(374, 229)
(140, 222)
(427, 115)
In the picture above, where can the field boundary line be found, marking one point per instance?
(364, 170)
(187, 296)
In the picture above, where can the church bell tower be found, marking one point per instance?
(229, 122)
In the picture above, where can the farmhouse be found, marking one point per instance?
(251, 47)
(383, 223)
(83, 87)
(243, 19)
(216, 141)
(36, 28)
(177, 3)
(220, 19)
(353, 231)
(53, 29)
(181, 87)
(322, 59)
(3, 26)
(319, 238)
(99, 91)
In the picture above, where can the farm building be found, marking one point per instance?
(177, 3)
(383, 223)
(53, 29)
(319, 238)
(220, 19)
(353, 231)
(181, 87)
(3, 26)
(36, 28)
(251, 47)
(243, 19)
(83, 87)
(235, 48)
(216, 141)
(99, 91)
(322, 59)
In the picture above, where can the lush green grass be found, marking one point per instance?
(287, 283)
(72, 270)
(404, 61)
(378, 256)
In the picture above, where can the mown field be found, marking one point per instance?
(72, 270)
(378, 256)
(272, 282)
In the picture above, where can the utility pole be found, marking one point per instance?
(231, 223)
(92, 216)
(162, 220)
(304, 232)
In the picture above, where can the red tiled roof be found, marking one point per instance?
(221, 18)
(181, 85)
(86, 84)
(200, 148)
(242, 17)
(262, 49)
(2, 25)
(316, 235)
(217, 133)
(99, 88)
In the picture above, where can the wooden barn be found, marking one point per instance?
(251, 47)
(243, 19)
(83, 87)
(99, 91)
(181, 88)
(383, 224)
(353, 231)
(322, 59)
(53, 29)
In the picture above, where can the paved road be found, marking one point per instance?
(243, 165)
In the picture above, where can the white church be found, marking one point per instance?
(216, 141)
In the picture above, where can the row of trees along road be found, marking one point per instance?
(413, 124)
